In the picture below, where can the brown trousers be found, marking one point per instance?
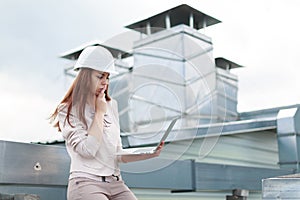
(88, 189)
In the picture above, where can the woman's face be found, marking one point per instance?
(99, 81)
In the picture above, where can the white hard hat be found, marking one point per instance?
(97, 58)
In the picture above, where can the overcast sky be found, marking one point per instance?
(262, 35)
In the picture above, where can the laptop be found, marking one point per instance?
(148, 150)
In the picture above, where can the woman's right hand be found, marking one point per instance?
(96, 128)
(100, 104)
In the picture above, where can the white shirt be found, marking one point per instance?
(87, 154)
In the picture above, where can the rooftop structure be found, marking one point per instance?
(73, 54)
(182, 14)
(214, 149)
(226, 64)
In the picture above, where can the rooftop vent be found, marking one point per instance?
(182, 14)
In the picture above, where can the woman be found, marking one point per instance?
(88, 119)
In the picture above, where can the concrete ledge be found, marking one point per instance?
(284, 187)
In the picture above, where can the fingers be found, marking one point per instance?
(100, 102)
(157, 151)
(160, 147)
(102, 94)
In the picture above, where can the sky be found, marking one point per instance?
(261, 35)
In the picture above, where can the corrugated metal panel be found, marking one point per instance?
(256, 149)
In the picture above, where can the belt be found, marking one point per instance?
(108, 179)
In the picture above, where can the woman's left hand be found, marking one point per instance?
(158, 149)
(132, 158)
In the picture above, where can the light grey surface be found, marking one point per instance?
(220, 177)
(33, 164)
(288, 120)
(288, 130)
(281, 188)
(173, 71)
(44, 192)
(189, 175)
(176, 175)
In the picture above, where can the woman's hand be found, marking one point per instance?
(96, 128)
(158, 149)
(100, 104)
(133, 158)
